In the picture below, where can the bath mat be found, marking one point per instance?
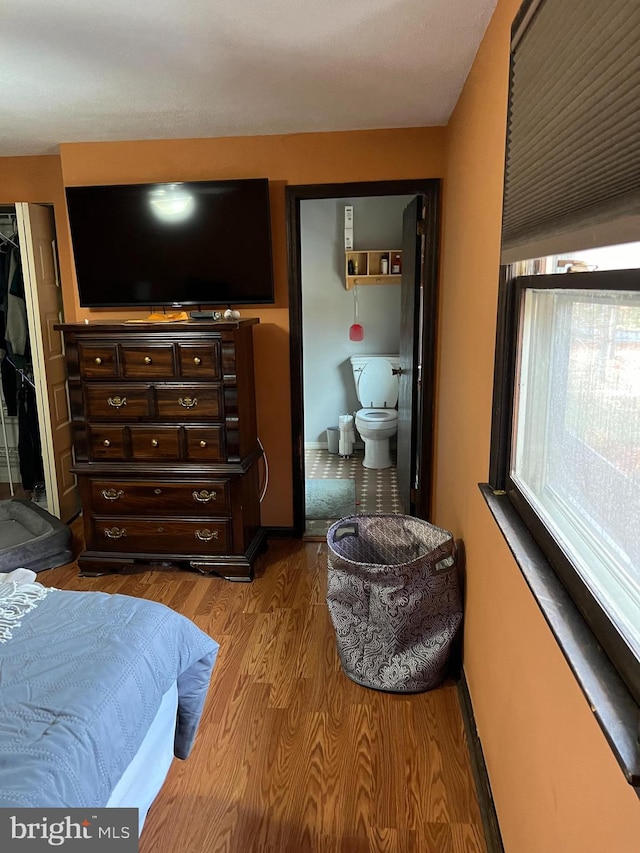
(329, 498)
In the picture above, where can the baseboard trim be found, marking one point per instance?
(280, 532)
(490, 823)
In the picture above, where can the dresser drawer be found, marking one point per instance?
(155, 442)
(97, 361)
(196, 498)
(189, 402)
(117, 402)
(201, 360)
(106, 443)
(205, 444)
(162, 535)
(147, 361)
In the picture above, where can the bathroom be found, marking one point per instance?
(328, 316)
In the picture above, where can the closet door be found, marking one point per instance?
(44, 304)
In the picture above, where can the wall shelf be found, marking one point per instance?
(365, 267)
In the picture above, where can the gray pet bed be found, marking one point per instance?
(31, 538)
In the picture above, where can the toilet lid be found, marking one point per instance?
(378, 387)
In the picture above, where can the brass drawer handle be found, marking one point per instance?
(148, 359)
(98, 360)
(203, 496)
(188, 402)
(154, 442)
(157, 491)
(115, 532)
(117, 402)
(202, 443)
(112, 494)
(206, 535)
(197, 360)
(106, 443)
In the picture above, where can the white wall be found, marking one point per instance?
(327, 307)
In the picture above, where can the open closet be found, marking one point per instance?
(21, 468)
(35, 436)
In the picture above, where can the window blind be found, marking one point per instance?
(572, 177)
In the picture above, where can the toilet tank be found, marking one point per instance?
(378, 397)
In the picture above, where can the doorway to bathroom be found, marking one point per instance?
(341, 318)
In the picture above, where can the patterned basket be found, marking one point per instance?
(394, 599)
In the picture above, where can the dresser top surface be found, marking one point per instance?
(145, 326)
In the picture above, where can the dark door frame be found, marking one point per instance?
(429, 188)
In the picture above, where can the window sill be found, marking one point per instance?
(612, 705)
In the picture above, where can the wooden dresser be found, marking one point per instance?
(166, 449)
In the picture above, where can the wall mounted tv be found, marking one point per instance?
(196, 243)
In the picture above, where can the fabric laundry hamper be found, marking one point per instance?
(394, 597)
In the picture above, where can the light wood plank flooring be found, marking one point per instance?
(292, 756)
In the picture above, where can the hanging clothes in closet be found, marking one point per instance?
(16, 331)
(15, 363)
(8, 373)
(29, 448)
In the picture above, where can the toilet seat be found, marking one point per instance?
(377, 386)
(377, 416)
(373, 420)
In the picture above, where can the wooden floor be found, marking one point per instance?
(292, 756)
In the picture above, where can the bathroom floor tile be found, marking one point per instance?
(376, 490)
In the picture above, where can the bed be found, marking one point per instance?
(98, 693)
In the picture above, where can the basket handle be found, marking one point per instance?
(350, 529)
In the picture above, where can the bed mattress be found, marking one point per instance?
(141, 781)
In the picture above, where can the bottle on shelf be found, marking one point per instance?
(396, 263)
(384, 265)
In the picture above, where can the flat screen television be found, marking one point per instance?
(205, 243)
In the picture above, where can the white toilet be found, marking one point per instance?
(377, 390)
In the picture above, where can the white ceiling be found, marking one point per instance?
(83, 70)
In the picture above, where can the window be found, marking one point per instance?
(566, 453)
(575, 445)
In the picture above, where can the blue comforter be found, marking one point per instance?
(81, 679)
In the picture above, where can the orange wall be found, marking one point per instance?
(556, 784)
(39, 180)
(314, 158)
